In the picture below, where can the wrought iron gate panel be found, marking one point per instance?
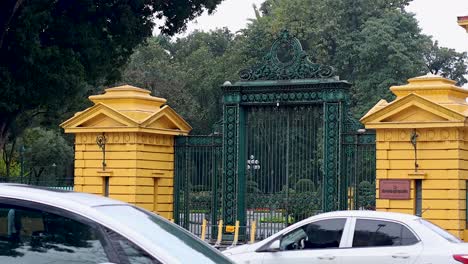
(197, 182)
(358, 169)
(284, 146)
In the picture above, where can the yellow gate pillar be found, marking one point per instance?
(124, 148)
(422, 140)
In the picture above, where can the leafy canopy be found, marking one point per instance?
(50, 50)
(372, 43)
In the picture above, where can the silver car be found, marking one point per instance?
(39, 226)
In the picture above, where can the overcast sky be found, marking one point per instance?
(437, 18)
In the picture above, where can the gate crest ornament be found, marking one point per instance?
(286, 61)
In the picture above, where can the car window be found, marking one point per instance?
(174, 241)
(33, 236)
(321, 234)
(377, 233)
(128, 252)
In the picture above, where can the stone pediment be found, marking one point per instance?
(411, 111)
(127, 109)
(99, 115)
(166, 118)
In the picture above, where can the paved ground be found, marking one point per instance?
(264, 229)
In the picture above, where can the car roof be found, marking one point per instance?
(57, 197)
(371, 214)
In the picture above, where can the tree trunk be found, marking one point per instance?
(8, 157)
(6, 119)
(3, 134)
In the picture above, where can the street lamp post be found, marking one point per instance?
(252, 165)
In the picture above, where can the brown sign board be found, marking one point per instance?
(395, 189)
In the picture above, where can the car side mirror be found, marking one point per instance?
(275, 246)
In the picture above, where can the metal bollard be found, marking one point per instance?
(220, 233)
(253, 229)
(236, 234)
(203, 230)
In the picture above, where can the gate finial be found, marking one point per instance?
(286, 61)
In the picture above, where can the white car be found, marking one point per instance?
(43, 226)
(356, 237)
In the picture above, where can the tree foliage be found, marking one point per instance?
(188, 72)
(47, 155)
(50, 50)
(447, 62)
(373, 44)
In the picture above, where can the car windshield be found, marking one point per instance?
(441, 232)
(173, 240)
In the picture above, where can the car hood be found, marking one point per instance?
(239, 250)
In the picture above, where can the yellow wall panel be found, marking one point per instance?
(402, 204)
(444, 204)
(426, 164)
(111, 155)
(147, 206)
(165, 198)
(166, 182)
(144, 189)
(166, 191)
(118, 189)
(116, 172)
(156, 165)
(424, 145)
(443, 194)
(449, 224)
(92, 189)
(443, 184)
(79, 180)
(140, 181)
(155, 149)
(431, 213)
(110, 164)
(93, 180)
(401, 210)
(165, 207)
(152, 173)
(423, 154)
(124, 197)
(436, 174)
(126, 181)
(155, 156)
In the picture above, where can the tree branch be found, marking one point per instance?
(6, 25)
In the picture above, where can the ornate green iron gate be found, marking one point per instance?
(197, 182)
(358, 168)
(290, 149)
(284, 175)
